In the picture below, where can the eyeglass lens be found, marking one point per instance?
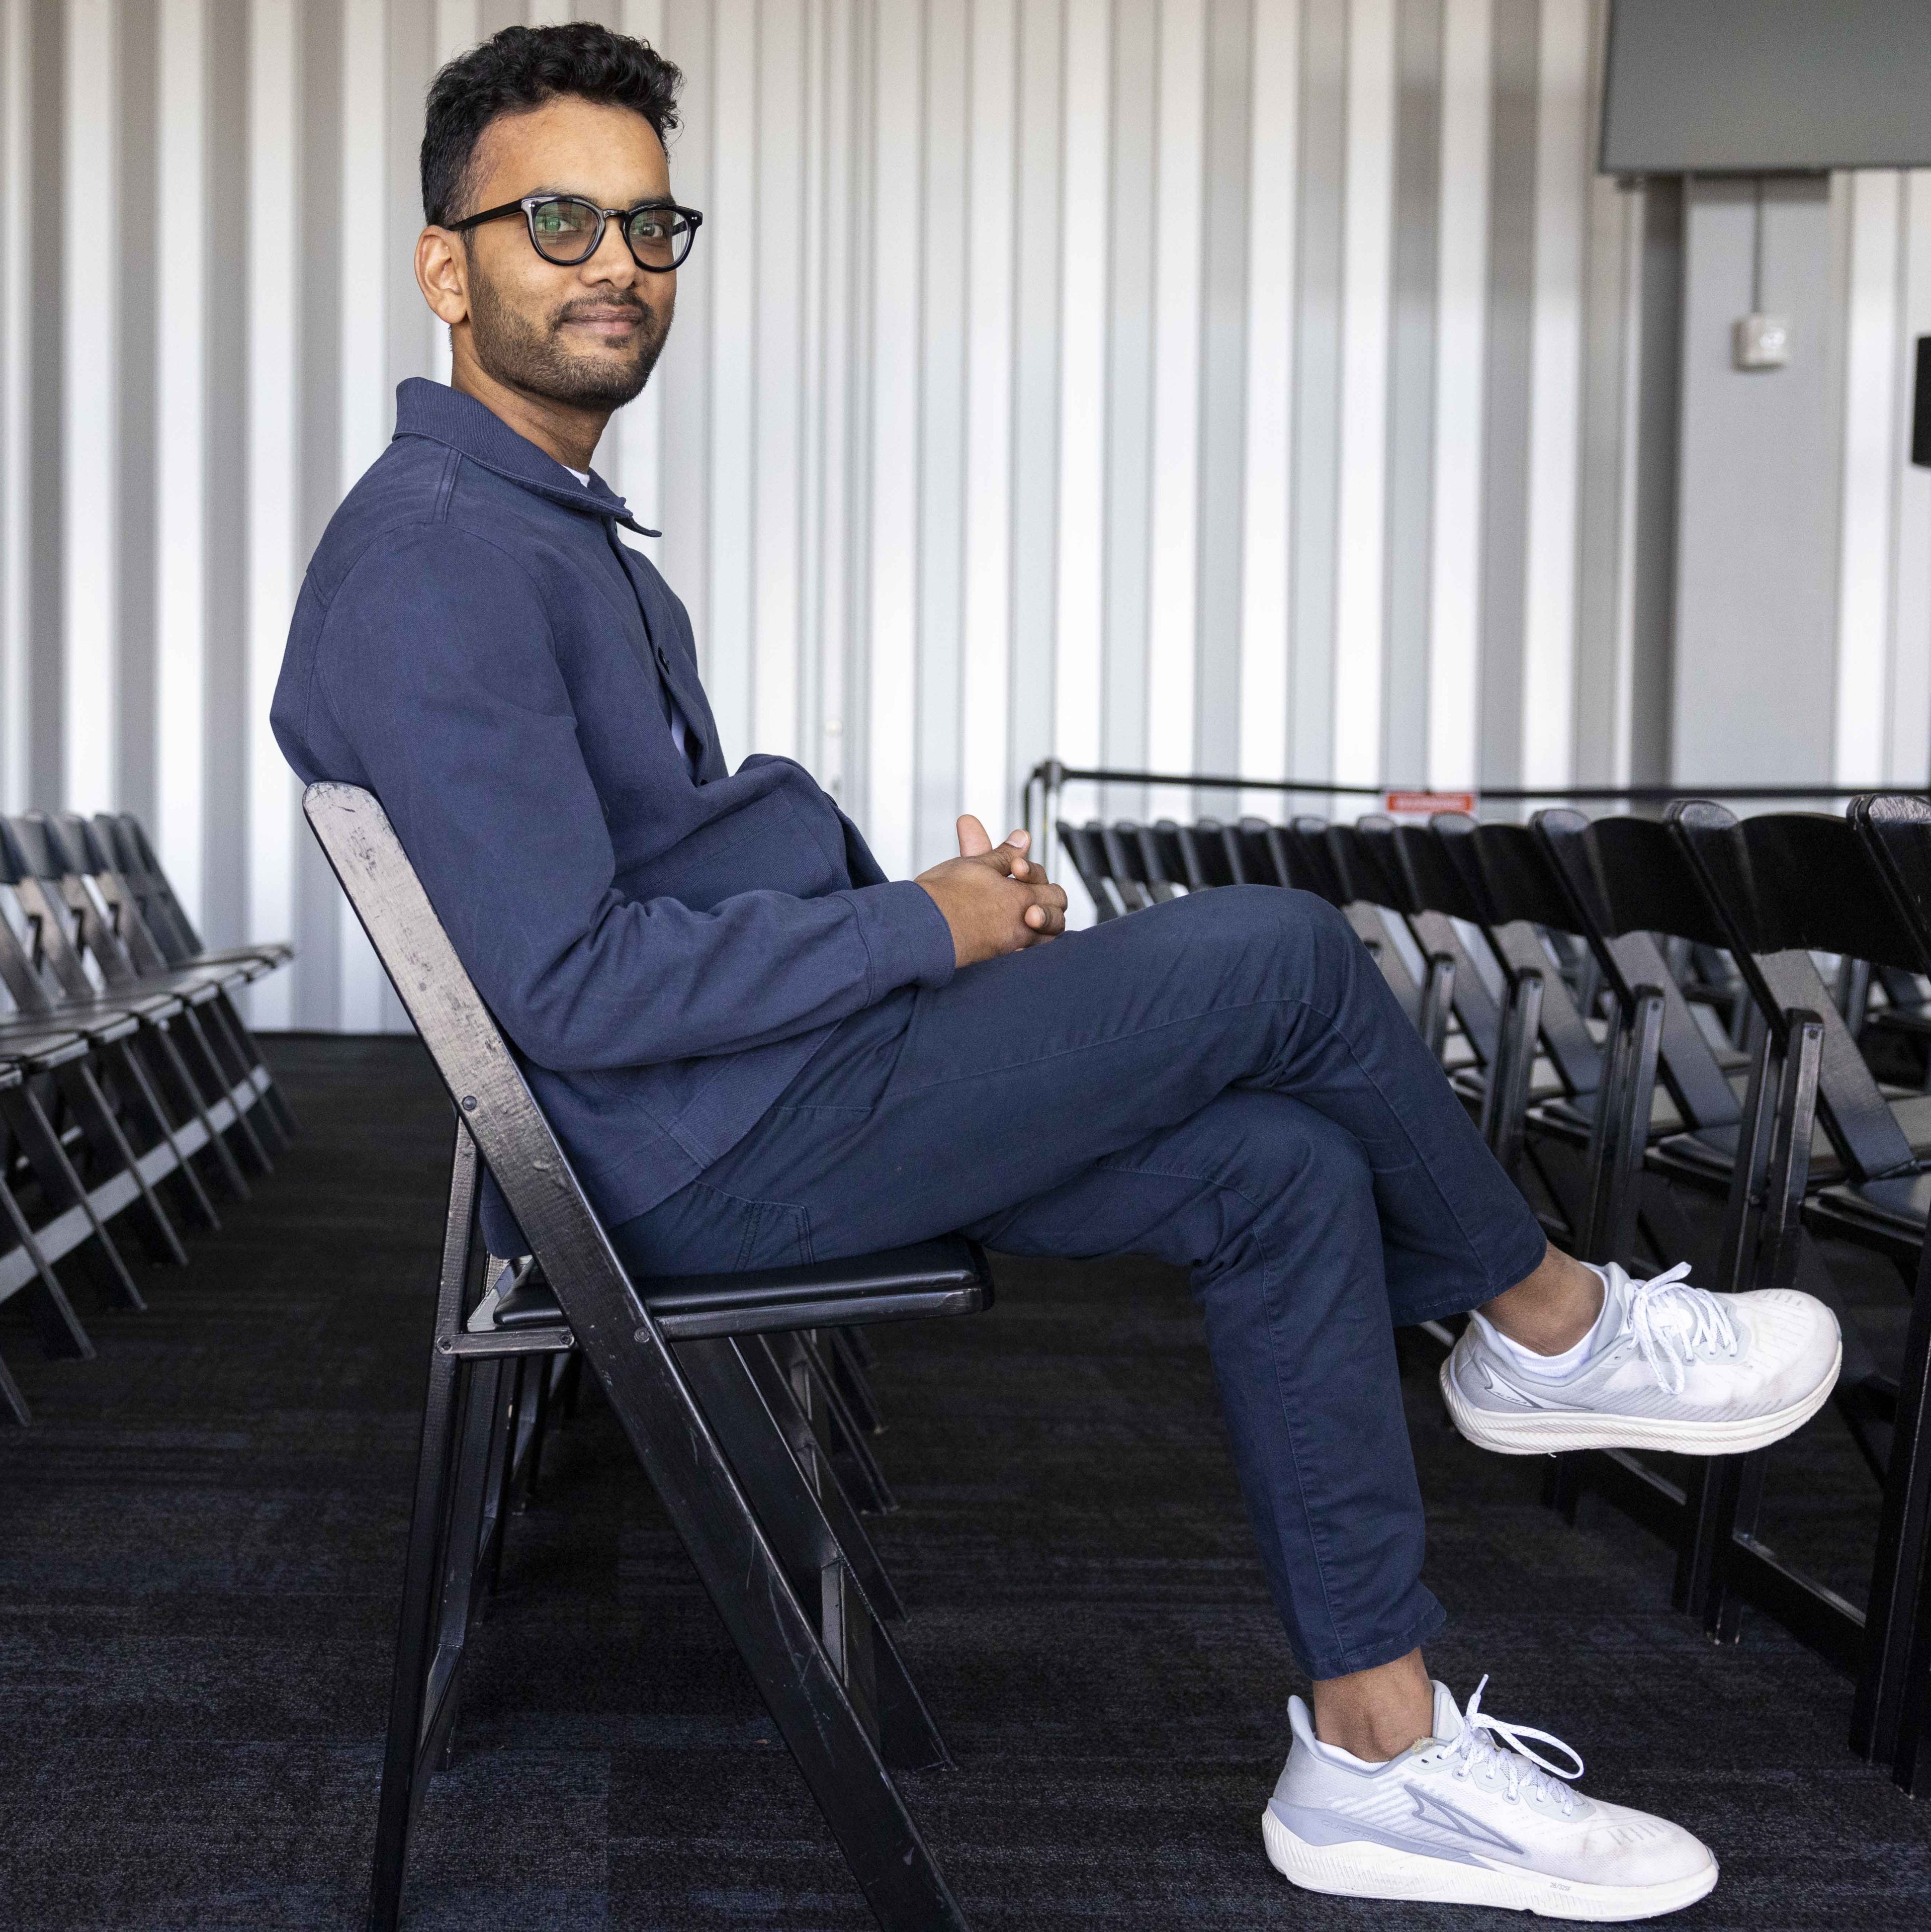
(565, 231)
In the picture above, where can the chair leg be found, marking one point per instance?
(12, 1402)
(1911, 1760)
(1896, 1606)
(228, 1045)
(467, 1546)
(241, 1044)
(768, 1369)
(58, 1328)
(848, 1370)
(220, 1085)
(409, 1688)
(881, 1691)
(173, 1073)
(817, 1393)
(114, 1154)
(151, 1119)
(510, 1423)
(67, 1195)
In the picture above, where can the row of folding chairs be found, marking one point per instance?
(132, 1092)
(1636, 1012)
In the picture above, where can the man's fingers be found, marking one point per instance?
(974, 839)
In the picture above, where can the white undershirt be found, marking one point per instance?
(678, 728)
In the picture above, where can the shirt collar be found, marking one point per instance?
(439, 414)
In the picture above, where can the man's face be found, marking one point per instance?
(586, 336)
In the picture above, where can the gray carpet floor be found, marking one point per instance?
(201, 1541)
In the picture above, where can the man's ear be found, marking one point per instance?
(442, 274)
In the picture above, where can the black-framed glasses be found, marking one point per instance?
(567, 230)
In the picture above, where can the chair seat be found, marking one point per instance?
(947, 1276)
(1574, 1119)
(1889, 1215)
(35, 1047)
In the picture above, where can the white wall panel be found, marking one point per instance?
(1051, 377)
(16, 400)
(1871, 371)
(1267, 502)
(91, 440)
(1366, 245)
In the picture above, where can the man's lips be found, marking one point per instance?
(610, 322)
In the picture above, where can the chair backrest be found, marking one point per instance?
(1277, 855)
(34, 872)
(1797, 880)
(1083, 845)
(1212, 852)
(1126, 864)
(1161, 859)
(1516, 894)
(1364, 855)
(73, 851)
(1898, 831)
(93, 842)
(514, 1140)
(1631, 875)
(1433, 879)
(1311, 862)
(1782, 884)
(120, 834)
(1508, 872)
(1627, 880)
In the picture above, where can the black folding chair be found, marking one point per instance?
(1371, 858)
(1789, 884)
(130, 957)
(1302, 856)
(1084, 846)
(133, 858)
(673, 1361)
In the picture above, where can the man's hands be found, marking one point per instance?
(995, 899)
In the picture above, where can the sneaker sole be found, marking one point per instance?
(1363, 1870)
(1551, 1432)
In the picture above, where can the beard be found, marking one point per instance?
(530, 355)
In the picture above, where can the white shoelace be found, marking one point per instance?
(1521, 1766)
(1674, 1324)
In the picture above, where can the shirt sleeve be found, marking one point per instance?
(437, 664)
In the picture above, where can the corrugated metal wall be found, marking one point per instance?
(1211, 384)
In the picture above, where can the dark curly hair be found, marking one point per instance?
(520, 68)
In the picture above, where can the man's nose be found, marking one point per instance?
(612, 261)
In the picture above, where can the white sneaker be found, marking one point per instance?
(1675, 1367)
(1461, 1820)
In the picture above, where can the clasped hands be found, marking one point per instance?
(995, 899)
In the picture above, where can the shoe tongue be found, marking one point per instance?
(1447, 1714)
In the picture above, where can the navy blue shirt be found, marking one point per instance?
(664, 943)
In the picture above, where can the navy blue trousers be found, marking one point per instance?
(1224, 1082)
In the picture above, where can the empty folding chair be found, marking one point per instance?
(126, 847)
(672, 1359)
(225, 1080)
(1518, 900)
(148, 960)
(1374, 842)
(1209, 851)
(1303, 858)
(1789, 884)
(1135, 869)
(1084, 845)
(137, 1111)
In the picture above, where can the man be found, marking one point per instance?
(758, 1050)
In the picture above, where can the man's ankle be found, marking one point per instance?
(1376, 1714)
(1551, 1310)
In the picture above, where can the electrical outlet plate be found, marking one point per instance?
(1760, 342)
